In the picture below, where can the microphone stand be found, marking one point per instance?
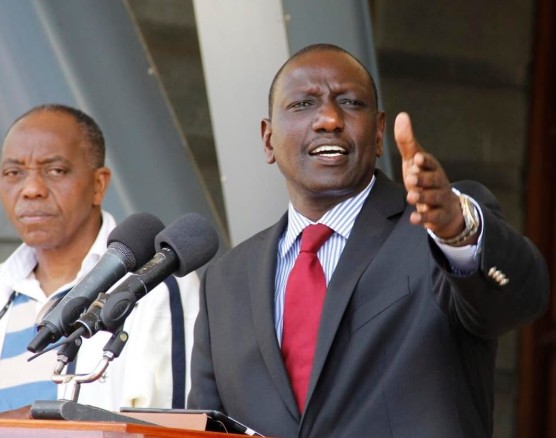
(67, 353)
(69, 409)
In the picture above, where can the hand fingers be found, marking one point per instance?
(405, 140)
(428, 187)
(427, 199)
(438, 210)
(424, 161)
(425, 179)
(432, 218)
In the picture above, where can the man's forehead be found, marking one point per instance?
(324, 60)
(45, 123)
(36, 154)
(323, 66)
(310, 56)
(39, 117)
(42, 142)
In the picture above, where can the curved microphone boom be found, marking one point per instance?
(185, 245)
(130, 244)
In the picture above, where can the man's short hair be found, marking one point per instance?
(321, 47)
(86, 123)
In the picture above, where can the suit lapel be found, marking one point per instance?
(261, 280)
(370, 230)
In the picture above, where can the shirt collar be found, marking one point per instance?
(16, 273)
(340, 218)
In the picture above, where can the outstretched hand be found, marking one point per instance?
(428, 187)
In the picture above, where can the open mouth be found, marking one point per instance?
(328, 151)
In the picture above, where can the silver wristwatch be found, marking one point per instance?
(471, 218)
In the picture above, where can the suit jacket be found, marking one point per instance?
(405, 347)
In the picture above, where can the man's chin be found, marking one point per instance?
(38, 237)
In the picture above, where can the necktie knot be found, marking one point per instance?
(314, 236)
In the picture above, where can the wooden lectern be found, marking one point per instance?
(10, 428)
(67, 419)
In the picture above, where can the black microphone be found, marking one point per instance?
(130, 244)
(185, 245)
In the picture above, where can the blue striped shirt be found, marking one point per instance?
(22, 382)
(340, 218)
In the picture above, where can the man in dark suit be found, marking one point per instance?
(420, 280)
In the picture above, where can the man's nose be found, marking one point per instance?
(34, 186)
(329, 118)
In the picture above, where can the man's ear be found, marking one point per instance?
(266, 134)
(102, 180)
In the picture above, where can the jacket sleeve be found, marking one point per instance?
(478, 301)
(204, 392)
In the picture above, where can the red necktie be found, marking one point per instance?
(305, 291)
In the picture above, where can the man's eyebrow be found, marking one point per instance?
(11, 161)
(49, 160)
(53, 159)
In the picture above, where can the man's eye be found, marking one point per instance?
(301, 104)
(351, 102)
(11, 173)
(55, 171)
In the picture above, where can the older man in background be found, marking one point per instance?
(52, 184)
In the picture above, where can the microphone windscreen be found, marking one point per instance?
(134, 238)
(192, 238)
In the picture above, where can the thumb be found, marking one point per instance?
(403, 134)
